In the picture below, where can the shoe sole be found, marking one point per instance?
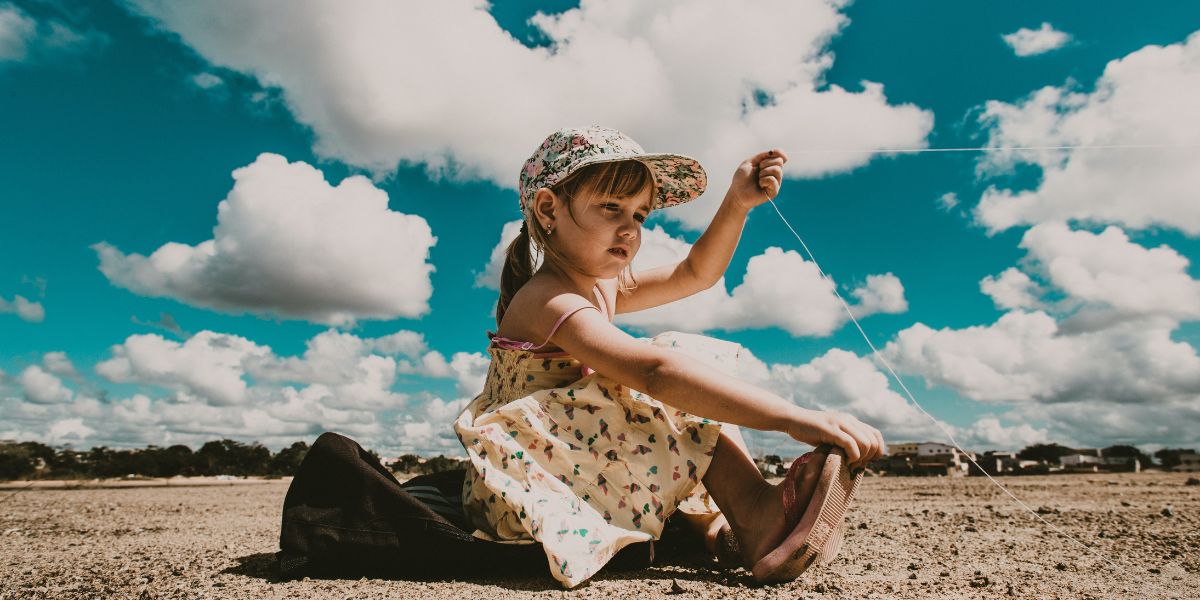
(817, 533)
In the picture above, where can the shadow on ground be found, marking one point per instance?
(672, 563)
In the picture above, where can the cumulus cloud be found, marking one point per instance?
(1024, 357)
(1030, 42)
(222, 385)
(208, 365)
(60, 364)
(65, 431)
(1108, 270)
(880, 294)
(42, 387)
(1098, 423)
(1086, 353)
(1012, 289)
(289, 244)
(24, 38)
(990, 433)
(489, 277)
(835, 381)
(470, 371)
(1142, 98)
(844, 381)
(27, 310)
(361, 80)
(780, 289)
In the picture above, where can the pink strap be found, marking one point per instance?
(509, 344)
(519, 345)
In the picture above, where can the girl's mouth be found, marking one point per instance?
(618, 252)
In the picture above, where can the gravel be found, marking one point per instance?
(909, 538)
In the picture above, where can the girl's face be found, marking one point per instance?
(605, 234)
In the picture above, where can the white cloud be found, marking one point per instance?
(17, 30)
(68, 430)
(470, 370)
(490, 276)
(989, 433)
(206, 81)
(363, 81)
(948, 201)
(222, 385)
(1108, 270)
(881, 294)
(780, 289)
(289, 244)
(800, 301)
(836, 381)
(1093, 423)
(208, 365)
(843, 381)
(42, 387)
(23, 37)
(59, 364)
(403, 342)
(1096, 362)
(25, 309)
(1012, 289)
(1143, 98)
(1024, 357)
(1030, 42)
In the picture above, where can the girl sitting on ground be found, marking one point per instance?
(589, 440)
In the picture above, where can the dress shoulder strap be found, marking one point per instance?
(504, 342)
(560, 320)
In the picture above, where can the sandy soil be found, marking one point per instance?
(909, 538)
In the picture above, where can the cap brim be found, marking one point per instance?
(679, 178)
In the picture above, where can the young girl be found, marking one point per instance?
(590, 439)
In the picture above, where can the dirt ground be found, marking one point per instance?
(909, 538)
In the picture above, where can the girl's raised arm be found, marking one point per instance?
(756, 180)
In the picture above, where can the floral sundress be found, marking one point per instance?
(562, 455)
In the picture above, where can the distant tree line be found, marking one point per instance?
(1051, 453)
(24, 460)
(411, 463)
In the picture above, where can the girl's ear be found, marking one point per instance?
(545, 203)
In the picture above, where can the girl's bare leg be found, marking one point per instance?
(753, 507)
(708, 525)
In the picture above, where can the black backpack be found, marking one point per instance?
(345, 515)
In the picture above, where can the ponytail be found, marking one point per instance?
(518, 269)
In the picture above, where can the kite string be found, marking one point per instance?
(910, 395)
(994, 149)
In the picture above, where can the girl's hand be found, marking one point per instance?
(861, 442)
(758, 179)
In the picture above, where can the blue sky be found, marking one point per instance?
(123, 124)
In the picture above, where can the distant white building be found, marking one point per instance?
(929, 458)
(922, 448)
(1188, 461)
(1076, 460)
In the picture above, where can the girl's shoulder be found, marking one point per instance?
(537, 306)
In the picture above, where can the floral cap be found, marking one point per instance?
(679, 178)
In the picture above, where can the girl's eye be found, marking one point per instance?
(640, 218)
